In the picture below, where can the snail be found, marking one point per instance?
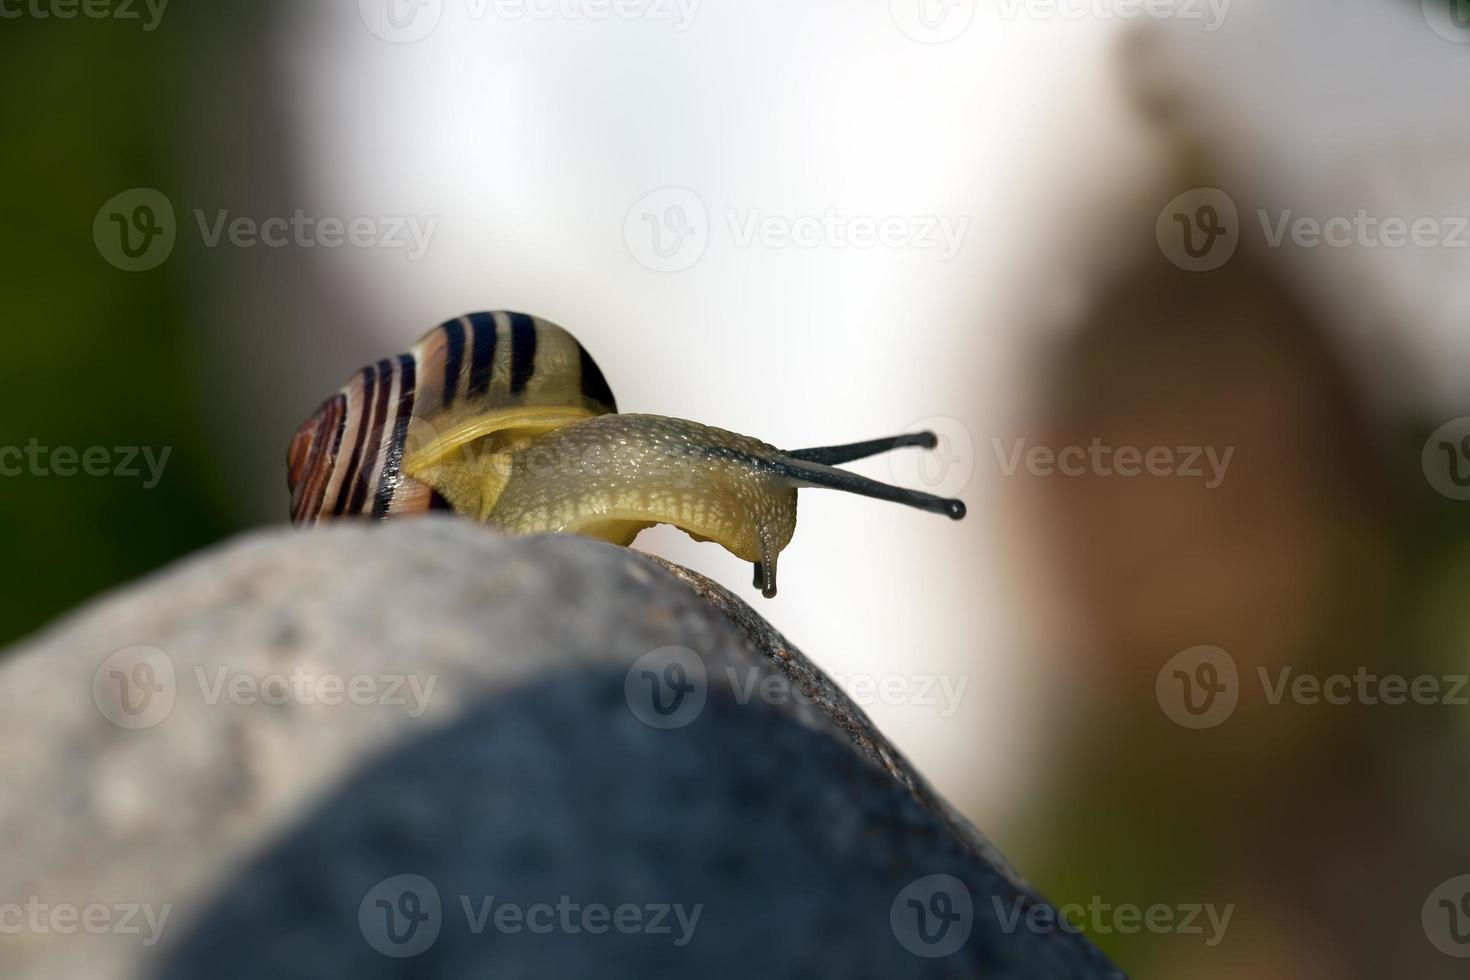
(506, 419)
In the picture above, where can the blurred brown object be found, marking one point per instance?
(1312, 820)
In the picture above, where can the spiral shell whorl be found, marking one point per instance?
(347, 459)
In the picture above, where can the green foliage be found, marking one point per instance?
(94, 356)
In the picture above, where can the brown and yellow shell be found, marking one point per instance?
(489, 380)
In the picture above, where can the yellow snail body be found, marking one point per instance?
(506, 419)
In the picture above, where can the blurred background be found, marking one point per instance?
(1183, 287)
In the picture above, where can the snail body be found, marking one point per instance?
(505, 418)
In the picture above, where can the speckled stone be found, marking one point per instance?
(500, 743)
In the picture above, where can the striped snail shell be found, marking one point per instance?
(467, 376)
(505, 418)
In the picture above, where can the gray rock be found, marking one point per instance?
(229, 769)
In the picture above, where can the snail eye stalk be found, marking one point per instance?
(804, 473)
(834, 455)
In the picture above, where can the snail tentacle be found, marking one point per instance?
(852, 451)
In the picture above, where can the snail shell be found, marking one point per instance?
(466, 379)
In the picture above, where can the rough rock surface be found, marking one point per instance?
(553, 739)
